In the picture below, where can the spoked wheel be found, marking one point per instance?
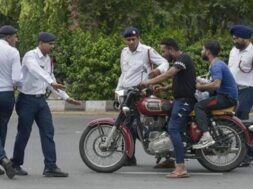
(95, 156)
(228, 151)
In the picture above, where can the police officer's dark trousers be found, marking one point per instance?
(32, 108)
(245, 103)
(7, 101)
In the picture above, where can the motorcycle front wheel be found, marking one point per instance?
(97, 157)
(228, 151)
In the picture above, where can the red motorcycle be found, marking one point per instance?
(106, 143)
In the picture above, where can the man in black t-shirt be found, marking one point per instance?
(183, 83)
(183, 88)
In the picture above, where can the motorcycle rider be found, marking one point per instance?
(182, 74)
(137, 59)
(222, 82)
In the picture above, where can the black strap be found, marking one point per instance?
(244, 70)
(149, 60)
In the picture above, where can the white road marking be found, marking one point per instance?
(164, 173)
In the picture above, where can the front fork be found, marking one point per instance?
(107, 143)
(128, 139)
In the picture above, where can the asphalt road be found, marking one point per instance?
(68, 129)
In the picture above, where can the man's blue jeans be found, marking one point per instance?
(179, 116)
(7, 101)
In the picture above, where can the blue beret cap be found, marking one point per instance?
(131, 31)
(46, 37)
(241, 31)
(8, 30)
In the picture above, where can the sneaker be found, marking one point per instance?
(20, 171)
(9, 170)
(131, 162)
(204, 142)
(54, 172)
(1, 172)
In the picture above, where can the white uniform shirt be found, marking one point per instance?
(134, 63)
(241, 62)
(10, 66)
(37, 74)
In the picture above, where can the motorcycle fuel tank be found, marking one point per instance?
(151, 106)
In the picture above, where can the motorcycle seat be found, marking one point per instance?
(225, 111)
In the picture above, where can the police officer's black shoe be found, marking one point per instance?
(131, 161)
(246, 162)
(20, 171)
(54, 172)
(9, 170)
(1, 172)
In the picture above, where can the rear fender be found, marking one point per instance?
(239, 123)
(125, 130)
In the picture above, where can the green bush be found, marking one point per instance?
(90, 64)
(88, 58)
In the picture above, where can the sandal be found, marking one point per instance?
(178, 175)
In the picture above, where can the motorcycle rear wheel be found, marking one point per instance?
(97, 158)
(229, 150)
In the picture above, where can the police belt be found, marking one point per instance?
(33, 95)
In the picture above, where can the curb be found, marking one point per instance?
(86, 106)
(91, 106)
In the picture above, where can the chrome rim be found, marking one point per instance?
(98, 156)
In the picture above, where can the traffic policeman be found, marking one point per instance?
(241, 66)
(10, 69)
(136, 62)
(31, 106)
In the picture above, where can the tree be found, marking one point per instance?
(89, 33)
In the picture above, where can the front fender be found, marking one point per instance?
(239, 123)
(99, 121)
(125, 130)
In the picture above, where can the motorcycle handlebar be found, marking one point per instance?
(146, 91)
